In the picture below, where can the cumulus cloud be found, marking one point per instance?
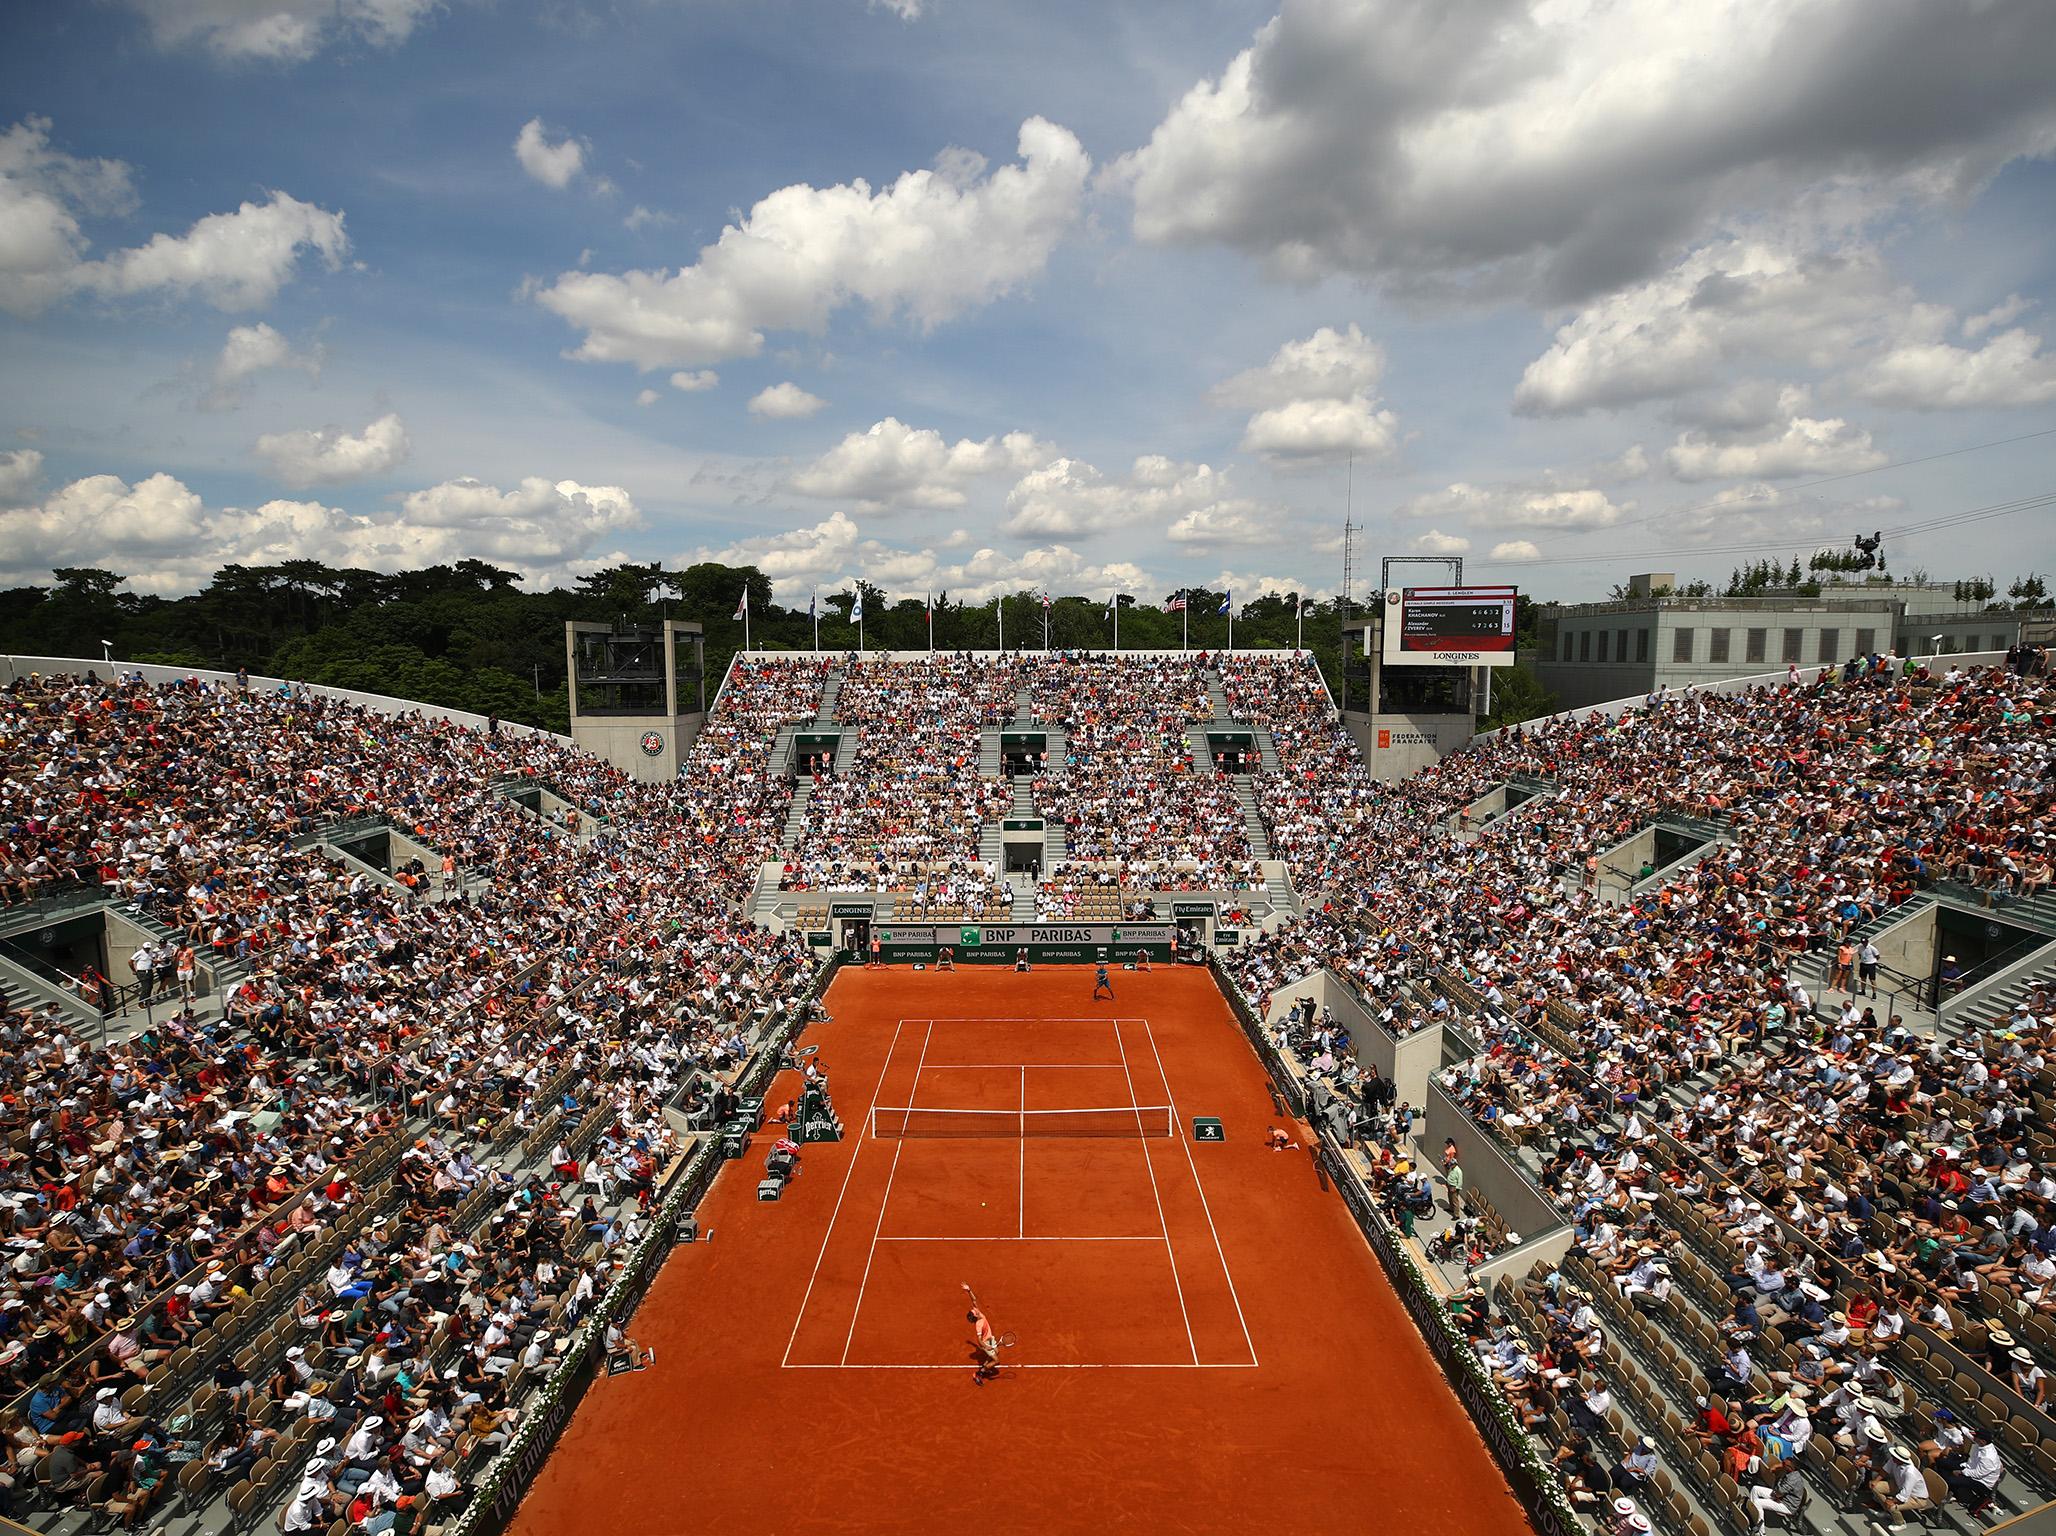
(647, 397)
(251, 350)
(1803, 445)
(231, 260)
(554, 165)
(161, 529)
(279, 31)
(1436, 542)
(1560, 150)
(906, 10)
(2009, 370)
(1329, 364)
(1516, 549)
(933, 244)
(1752, 299)
(1518, 506)
(334, 455)
(694, 382)
(1315, 401)
(21, 470)
(1068, 498)
(894, 465)
(640, 217)
(1322, 431)
(784, 402)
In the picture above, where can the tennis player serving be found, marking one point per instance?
(985, 1344)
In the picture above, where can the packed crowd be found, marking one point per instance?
(1661, 1049)
(912, 806)
(1127, 791)
(554, 994)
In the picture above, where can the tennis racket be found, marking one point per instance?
(1007, 1341)
(806, 1050)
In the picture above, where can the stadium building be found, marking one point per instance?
(1146, 1112)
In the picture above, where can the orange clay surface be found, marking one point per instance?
(1204, 1342)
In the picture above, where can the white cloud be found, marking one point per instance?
(1224, 523)
(2005, 312)
(933, 244)
(232, 260)
(647, 397)
(251, 350)
(1752, 300)
(2009, 370)
(895, 465)
(161, 530)
(1803, 445)
(554, 165)
(784, 402)
(1315, 401)
(279, 31)
(20, 471)
(692, 383)
(1562, 149)
(1329, 364)
(1322, 431)
(640, 217)
(1066, 498)
(906, 10)
(1436, 542)
(798, 557)
(332, 455)
(1247, 587)
(1516, 549)
(1518, 506)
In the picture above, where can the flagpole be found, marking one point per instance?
(1185, 622)
(1299, 620)
(1231, 621)
(1117, 623)
(999, 606)
(814, 611)
(745, 618)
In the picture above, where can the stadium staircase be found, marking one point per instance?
(796, 814)
(831, 690)
(1218, 694)
(846, 748)
(1267, 748)
(1986, 1007)
(1024, 705)
(989, 752)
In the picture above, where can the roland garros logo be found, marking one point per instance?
(652, 742)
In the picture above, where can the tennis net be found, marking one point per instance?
(906, 1122)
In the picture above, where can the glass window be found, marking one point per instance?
(1794, 639)
(1641, 645)
(1716, 645)
(1830, 643)
(1585, 645)
(1999, 642)
(1755, 640)
(1568, 641)
(1866, 641)
(1681, 645)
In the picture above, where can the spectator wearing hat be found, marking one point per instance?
(1899, 1489)
(1974, 1480)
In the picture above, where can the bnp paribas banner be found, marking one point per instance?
(986, 936)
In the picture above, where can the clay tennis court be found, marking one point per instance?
(1205, 1343)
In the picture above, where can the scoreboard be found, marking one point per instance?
(1449, 627)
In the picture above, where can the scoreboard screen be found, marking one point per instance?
(1449, 627)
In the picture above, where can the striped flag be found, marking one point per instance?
(1176, 604)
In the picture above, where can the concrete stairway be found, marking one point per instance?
(831, 690)
(1988, 1006)
(1217, 694)
(796, 814)
(846, 749)
(1245, 796)
(1267, 748)
(989, 754)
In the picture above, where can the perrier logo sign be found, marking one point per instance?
(969, 937)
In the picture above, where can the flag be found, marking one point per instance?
(1176, 604)
(857, 607)
(1045, 602)
(1226, 599)
(1110, 606)
(928, 602)
(743, 606)
(811, 600)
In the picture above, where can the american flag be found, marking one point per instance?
(1176, 604)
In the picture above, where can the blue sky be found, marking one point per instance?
(970, 296)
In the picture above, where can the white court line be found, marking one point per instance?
(1147, 1237)
(1021, 1192)
(878, 1088)
(986, 1018)
(1017, 1066)
(1077, 1365)
(871, 1253)
(1156, 1194)
(1227, 1273)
